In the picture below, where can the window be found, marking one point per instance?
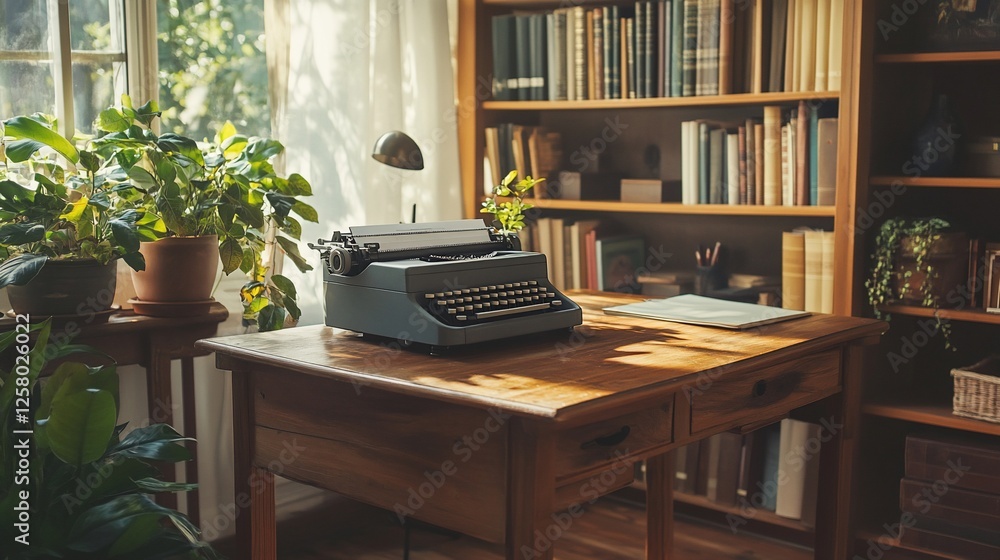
(60, 57)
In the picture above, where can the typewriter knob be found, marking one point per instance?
(340, 260)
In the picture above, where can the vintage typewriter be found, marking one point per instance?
(439, 284)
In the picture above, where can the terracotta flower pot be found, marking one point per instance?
(67, 287)
(178, 269)
(948, 254)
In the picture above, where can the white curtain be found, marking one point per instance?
(357, 69)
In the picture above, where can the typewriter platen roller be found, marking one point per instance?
(439, 284)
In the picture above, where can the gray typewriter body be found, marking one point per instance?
(450, 302)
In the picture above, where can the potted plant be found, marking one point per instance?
(220, 202)
(87, 492)
(918, 262)
(509, 214)
(62, 228)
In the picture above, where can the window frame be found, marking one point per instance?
(137, 53)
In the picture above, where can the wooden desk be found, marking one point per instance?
(152, 342)
(491, 440)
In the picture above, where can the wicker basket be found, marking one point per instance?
(977, 390)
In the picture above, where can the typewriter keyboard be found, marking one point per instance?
(474, 305)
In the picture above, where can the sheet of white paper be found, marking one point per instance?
(399, 237)
(698, 310)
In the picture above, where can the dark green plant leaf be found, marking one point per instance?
(125, 234)
(100, 200)
(27, 128)
(270, 318)
(231, 254)
(100, 526)
(14, 197)
(292, 250)
(20, 269)
(292, 227)
(292, 308)
(281, 203)
(170, 142)
(298, 186)
(135, 260)
(81, 425)
(112, 120)
(308, 213)
(157, 442)
(90, 161)
(147, 112)
(141, 530)
(152, 485)
(249, 260)
(263, 149)
(21, 232)
(285, 285)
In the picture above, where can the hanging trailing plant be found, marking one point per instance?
(889, 282)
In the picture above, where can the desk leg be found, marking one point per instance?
(253, 487)
(531, 529)
(835, 530)
(659, 506)
(191, 431)
(161, 410)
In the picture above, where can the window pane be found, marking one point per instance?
(25, 88)
(94, 90)
(212, 66)
(24, 25)
(90, 26)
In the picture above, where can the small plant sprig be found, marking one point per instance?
(922, 234)
(509, 214)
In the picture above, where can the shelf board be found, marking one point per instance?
(930, 414)
(915, 58)
(677, 208)
(947, 182)
(734, 99)
(901, 551)
(760, 515)
(970, 315)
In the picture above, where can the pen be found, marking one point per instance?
(715, 253)
(697, 257)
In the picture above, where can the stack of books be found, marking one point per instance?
(789, 159)
(807, 261)
(950, 497)
(668, 48)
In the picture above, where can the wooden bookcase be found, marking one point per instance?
(754, 232)
(893, 88)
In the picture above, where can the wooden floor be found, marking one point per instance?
(609, 530)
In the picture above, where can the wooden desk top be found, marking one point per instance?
(608, 361)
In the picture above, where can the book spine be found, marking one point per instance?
(727, 20)
(807, 45)
(638, 45)
(501, 82)
(787, 172)
(802, 156)
(704, 160)
(814, 155)
(792, 51)
(715, 166)
(598, 54)
(732, 169)
(616, 54)
(677, 30)
(826, 281)
(826, 162)
(630, 47)
(833, 69)
(580, 52)
(663, 48)
(523, 33)
(607, 60)
(772, 156)
(550, 56)
(741, 140)
(591, 70)
(649, 46)
(712, 48)
(559, 72)
(751, 163)
(793, 273)
(778, 27)
(690, 55)
(758, 165)
(822, 44)
(570, 54)
(685, 163)
(757, 51)
(814, 271)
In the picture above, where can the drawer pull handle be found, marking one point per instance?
(759, 388)
(608, 440)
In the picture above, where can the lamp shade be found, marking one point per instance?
(396, 149)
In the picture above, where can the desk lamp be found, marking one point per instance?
(396, 149)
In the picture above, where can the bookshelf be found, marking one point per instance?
(895, 82)
(754, 230)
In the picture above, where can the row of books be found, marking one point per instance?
(789, 159)
(807, 270)
(668, 48)
(581, 256)
(775, 468)
(950, 497)
(532, 150)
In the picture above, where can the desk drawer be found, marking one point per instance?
(610, 443)
(732, 401)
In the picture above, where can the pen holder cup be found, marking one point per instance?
(709, 278)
